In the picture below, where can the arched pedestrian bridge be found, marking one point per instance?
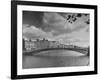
(84, 51)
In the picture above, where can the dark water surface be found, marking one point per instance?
(55, 59)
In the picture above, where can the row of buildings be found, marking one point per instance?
(43, 44)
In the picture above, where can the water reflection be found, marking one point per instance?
(55, 59)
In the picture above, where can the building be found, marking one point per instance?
(30, 45)
(41, 44)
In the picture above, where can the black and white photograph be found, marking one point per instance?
(53, 39)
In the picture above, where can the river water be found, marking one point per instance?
(55, 59)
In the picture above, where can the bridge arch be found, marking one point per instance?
(48, 49)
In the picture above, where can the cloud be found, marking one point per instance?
(34, 32)
(53, 21)
(79, 38)
(59, 24)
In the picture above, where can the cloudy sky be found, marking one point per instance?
(63, 27)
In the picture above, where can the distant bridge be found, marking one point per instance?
(83, 51)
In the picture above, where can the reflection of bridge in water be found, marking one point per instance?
(84, 51)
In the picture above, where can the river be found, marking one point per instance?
(55, 59)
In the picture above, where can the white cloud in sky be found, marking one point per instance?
(59, 24)
(33, 32)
